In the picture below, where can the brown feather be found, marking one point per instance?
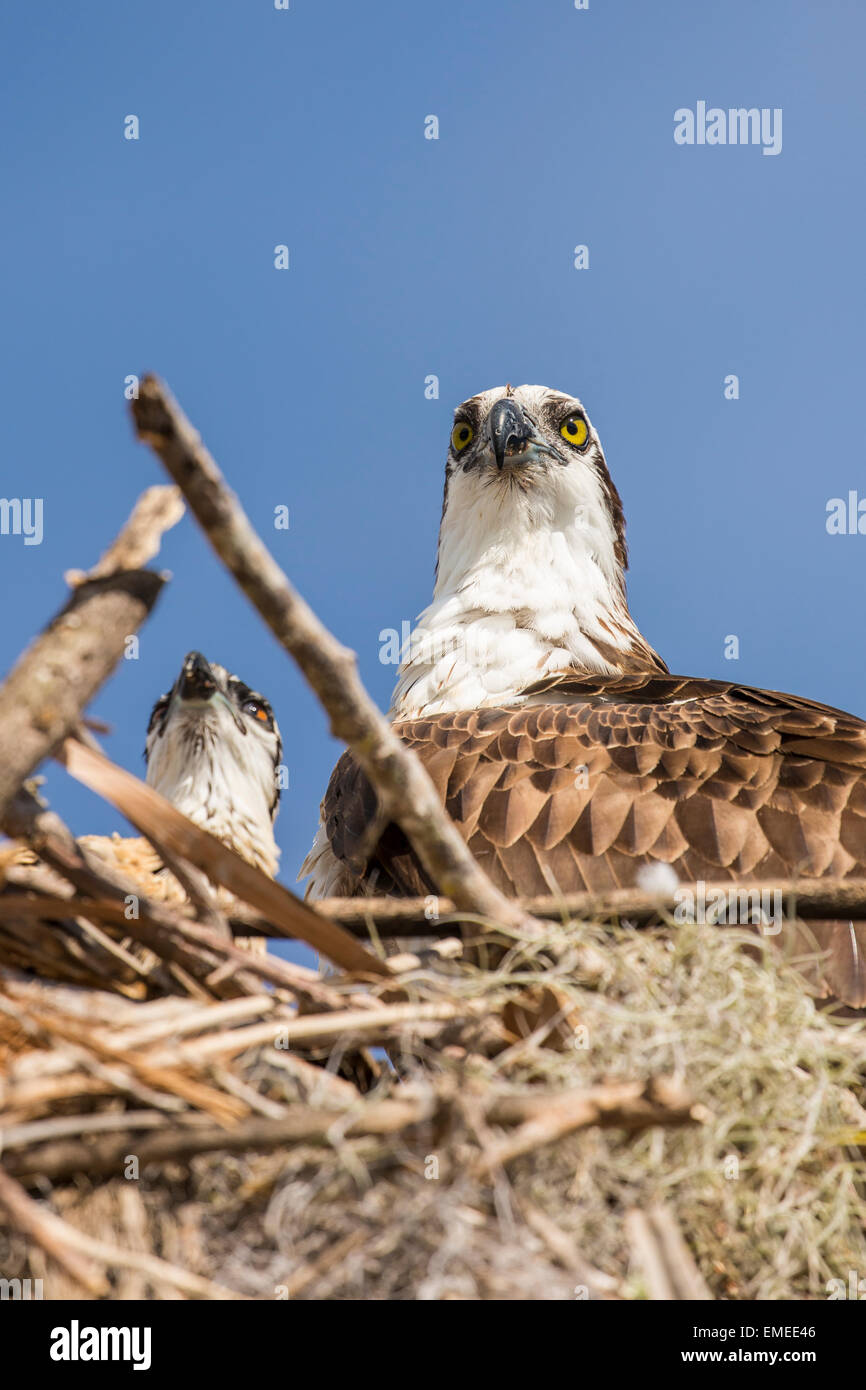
(606, 774)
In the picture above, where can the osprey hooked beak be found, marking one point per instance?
(197, 682)
(196, 679)
(513, 437)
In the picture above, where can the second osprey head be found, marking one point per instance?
(214, 751)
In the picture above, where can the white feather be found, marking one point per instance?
(528, 578)
(219, 777)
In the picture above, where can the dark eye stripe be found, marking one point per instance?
(244, 696)
(158, 711)
(254, 699)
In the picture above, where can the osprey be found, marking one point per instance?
(213, 750)
(563, 749)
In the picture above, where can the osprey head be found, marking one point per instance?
(530, 569)
(527, 457)
(213, 750)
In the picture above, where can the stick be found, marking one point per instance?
(156, 925)
(170, 1080)
(331, 1258)
(155, 512)
(42, 698)
(166, 930)
(197, 887)
(365, 1024)
(406, 792)
(658, 1247)
(151, 814)
(806, 899)
(304, 1124)
(62, 1126)
(627, 1105)
(564, 1250)
(620, 1105)
(50, 1232)
(66, 1244)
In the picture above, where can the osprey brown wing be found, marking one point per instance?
(609, 774)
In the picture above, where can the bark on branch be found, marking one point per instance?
(42, 698)
(167, 930)
(802, 899)
(403, 786)
(538, 1120)
(153, 815)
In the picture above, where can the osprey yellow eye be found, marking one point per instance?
(575, 430)
(461, 435)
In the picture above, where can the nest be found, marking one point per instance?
(580, 1117)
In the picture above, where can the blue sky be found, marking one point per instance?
(452, 257)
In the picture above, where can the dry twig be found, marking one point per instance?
(51, 1233)
(806, 899)
(620, 1105)
(659, 1250)
(43, 697)
(153, 815)
(540, 1120)
(406, 793)
(66, 1244)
